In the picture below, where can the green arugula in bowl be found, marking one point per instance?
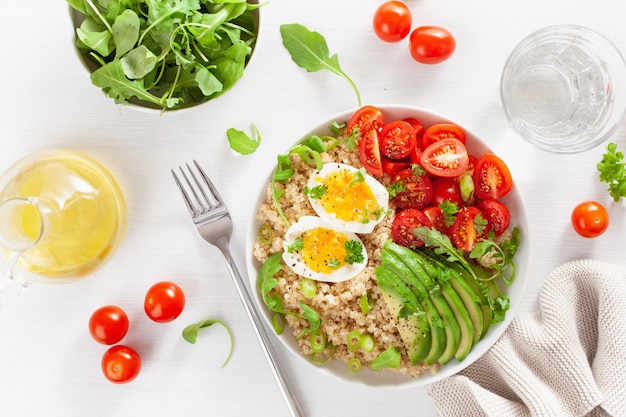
(166, 54)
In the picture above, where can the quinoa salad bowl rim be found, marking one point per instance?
(385, 378)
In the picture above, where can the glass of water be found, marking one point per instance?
(563, 88)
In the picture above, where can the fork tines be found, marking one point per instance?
(197, 184)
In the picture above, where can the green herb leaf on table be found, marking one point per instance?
(309, 50)
(190, 334)
(241, 143)
(612, 170)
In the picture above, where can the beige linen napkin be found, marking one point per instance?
(567, 359)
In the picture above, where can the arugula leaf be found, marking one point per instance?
(241, 142)
(190, 334)
(309, 50)
(613, 171)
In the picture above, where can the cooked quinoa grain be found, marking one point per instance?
(338, 304)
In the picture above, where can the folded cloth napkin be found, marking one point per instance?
(567, 359)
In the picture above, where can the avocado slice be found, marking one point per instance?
(438, 311)
(414, 329)
(462, 315)
(470, 300)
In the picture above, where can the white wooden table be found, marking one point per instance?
(50, 366)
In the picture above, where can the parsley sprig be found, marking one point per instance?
(613, 171)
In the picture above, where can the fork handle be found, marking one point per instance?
(261, 333)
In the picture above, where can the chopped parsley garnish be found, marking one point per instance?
(354, 252)
(297, 245)
(316, 192)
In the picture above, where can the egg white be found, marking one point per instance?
(358, 226)
(295, 262)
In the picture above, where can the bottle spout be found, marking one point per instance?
(21, 227)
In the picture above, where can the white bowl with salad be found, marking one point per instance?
(432, 281)
(161, 55)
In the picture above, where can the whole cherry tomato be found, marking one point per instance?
(431, 44)
(108, 325)
(164, 301)
(392, 21)
(121, 364)
(590, 219)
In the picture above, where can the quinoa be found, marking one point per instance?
(338, 304)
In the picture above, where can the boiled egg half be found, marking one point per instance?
(347, 197)
(314, 249)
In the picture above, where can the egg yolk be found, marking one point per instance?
(324, 249)
(348, 202)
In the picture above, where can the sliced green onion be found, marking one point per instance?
(367, 342)
(366, 302)
(354, 340)
(318, 340)
(266, 234)
(278, 323)
(308, 287)
(354, 365)
(321, 357)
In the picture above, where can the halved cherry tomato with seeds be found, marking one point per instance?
(419, 128)
(496, 214)
(397, 139)
(492, 178)
(445, 158)
(403, 225)
(366, 118)
(437, 219)
(369, 153)
(469, 226)
(416, 190)
(443, 131)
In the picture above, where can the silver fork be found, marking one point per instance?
(213, 222)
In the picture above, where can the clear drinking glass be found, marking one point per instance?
(563, 88)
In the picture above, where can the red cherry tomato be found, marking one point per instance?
(496, 214)
(437, 219)
(108, 325)
(397, 139)
(403, 225)
(415, 190)
(590, 219)
(442, 131)
(121, 364)
(445, 158)
(492, 178)
(419, 128)
(392, 167)
(366, 118)
(431, 44)
(369, 153)
(465, 230)
(446, 189)
(164, 302)
(392, 21)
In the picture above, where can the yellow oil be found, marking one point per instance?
(84, 213)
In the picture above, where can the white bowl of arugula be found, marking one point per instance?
(165, 54)
(325, 338)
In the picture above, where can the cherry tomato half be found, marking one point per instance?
(465, 230)
(366, 118)
(397, 139)
(164, 302)
(492, 178)
(440, 131)
(392, 166)
(590, 219)
(392, 21)
(369, 153)
(445, 158)
(496, 214)
(403, 225)
(121, 364)
(108, 325)
(431, 44)
(415, 190)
